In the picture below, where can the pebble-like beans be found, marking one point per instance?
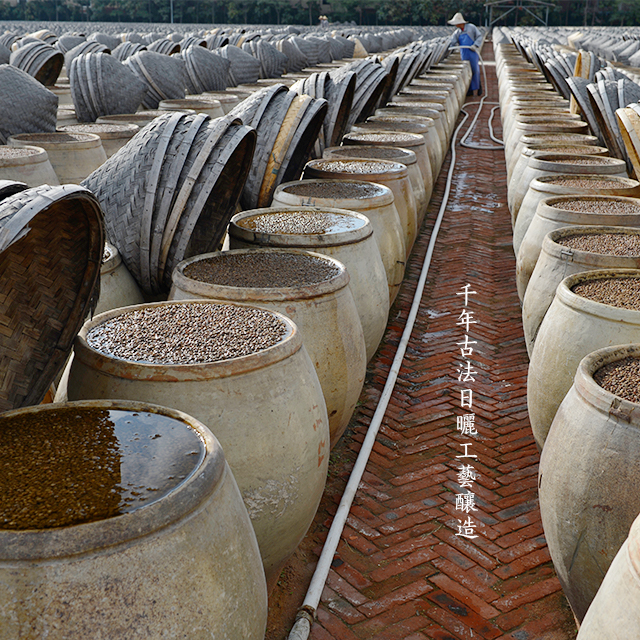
(382, 137)
(590, 160)
(16, 152)
(335, 189)
(586, 205)
(622, 378)
(613, 244)
(616, 292)
(97, 127)
(187, 333)
(300, 222)
(572, 150)
(60, 136)
(584, 183)
(262, 270)
(344, 166)
(544, 138)
(384, 153)
(66, 466)
(396, 118)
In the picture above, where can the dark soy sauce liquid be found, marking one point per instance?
(69, 466)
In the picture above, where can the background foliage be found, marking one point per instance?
(360, 12)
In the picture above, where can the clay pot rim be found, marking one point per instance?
(600, 165)
(35, 155)
(597, 396)
(409, 159)
(249, 295)
(434, 106)
(538, 149)
(408, 118)
(566, 296)
(531, 138)
(552, 247)
(185, 498)
(562, 126)
(545, 184)
(548, 209)
(416, 140)
(384, 198)
(87, 141)
(395, 170)
(123, 130)
(289, 344)
(309, 241)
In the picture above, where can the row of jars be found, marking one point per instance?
(576, 235)
(275, 410)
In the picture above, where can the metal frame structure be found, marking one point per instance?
(507, 6)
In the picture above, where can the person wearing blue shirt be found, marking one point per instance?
(468, 35)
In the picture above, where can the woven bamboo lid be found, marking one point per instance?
(51, 248)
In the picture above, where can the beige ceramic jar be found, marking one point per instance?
(212, 108)
(440, 84)
(589, 481)
(518, 105)
(391, 174)
(614, 611)
(559, 259)
(403, 140)
(227, 100)
(433, 102)
(27, 164)
(424, 110)
(73, 156)
(538, 149)
(346, 236)
(555, 213)
(573, 327)
(549, 164)
(567, 184)
(117, 286)
(533, 116)
(436, 97)
(158, 557)
(393, 154)
(375, 201)
(113, 136)
(265, 407)
(513, 146)
(411, 124)
(324, 311)
(548, 138)
(455, 81)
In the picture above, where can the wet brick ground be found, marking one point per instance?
(400, 571)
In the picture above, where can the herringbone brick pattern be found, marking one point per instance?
(400, 571)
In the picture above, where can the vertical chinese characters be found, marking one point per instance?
(465, 423)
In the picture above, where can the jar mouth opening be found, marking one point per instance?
(334, 276)
(602, 399)
(617, 205)
(97, 464)
(568, 295)
(303, 224)
(584, 182)
(563, 240)
(207, 470)
(191, 333)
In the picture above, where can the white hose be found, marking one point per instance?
(304, 619)
(463, 141)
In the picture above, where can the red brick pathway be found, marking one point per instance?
(400, 571)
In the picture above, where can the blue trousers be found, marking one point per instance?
(465, 40)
